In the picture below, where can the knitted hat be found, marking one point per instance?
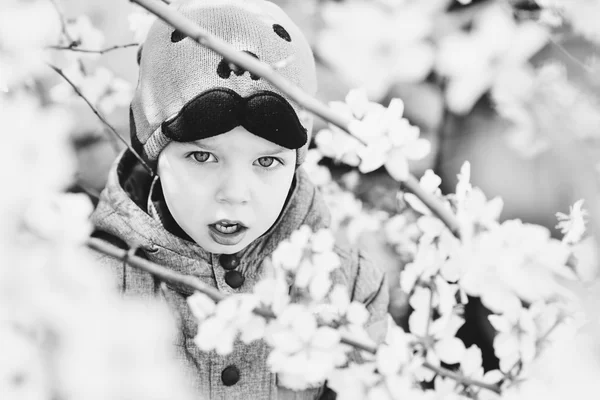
(188, 92)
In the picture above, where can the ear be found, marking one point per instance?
(139, 54)
(306, 119)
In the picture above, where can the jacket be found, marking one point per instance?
(121, 218)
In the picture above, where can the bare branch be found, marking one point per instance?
(104, 121)
(63, 23)
(461, 378)
(442, 212)
(102, 51)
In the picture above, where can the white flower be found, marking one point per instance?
(341, 309)
(273, 292)
(101, 88)
(516, 338)
(303, 354)
(430, 183)
(500, 264)
(379, 136)
(393, 43)
(572, 226)
(353, 382)
(140, 22)
(472, 61)
(396, 353)
(63, 216)
(232, 316)
(85, 35)
(318, 174)
(289, 253)
(201, 306)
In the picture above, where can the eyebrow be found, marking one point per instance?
(273, 150)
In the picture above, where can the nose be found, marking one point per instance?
(225, 68)
(234, 187)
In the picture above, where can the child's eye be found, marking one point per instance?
(202, 156)
(267, 162)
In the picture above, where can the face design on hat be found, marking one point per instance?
(227, 190)
(188, 92)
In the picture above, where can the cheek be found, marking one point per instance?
(272, 198)
(181, 190)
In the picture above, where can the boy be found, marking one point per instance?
(227, 148)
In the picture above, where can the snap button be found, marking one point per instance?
(229, 261)
(234, 279)
(230, 375)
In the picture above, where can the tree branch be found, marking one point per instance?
(104, 121)
(461, 378)
(259, 68)
(63, 23)
(193, 283)
(102, 51)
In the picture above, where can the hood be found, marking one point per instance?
(122, 212)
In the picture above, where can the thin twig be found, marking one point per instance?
(259, 68)
(571, 57)
(63, 23)
(442, 212)
(461, 378)
(195, 284)
(104, 121)
(102, 51)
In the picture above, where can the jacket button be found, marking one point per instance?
(229, 261)
(230, 375)
(234, 279)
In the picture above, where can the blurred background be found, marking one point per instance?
(497, 83)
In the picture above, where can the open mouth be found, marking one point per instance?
(227, 232)
(227, 227)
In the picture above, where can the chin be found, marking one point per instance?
(216, 248)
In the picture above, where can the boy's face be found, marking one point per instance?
(227, 190)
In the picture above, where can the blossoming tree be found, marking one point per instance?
(539, 289)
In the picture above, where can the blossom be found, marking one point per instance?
(101, 88)
(318, 174)
(303, 354)
(232, 316)
(473, 210)
(22, 55)
(516, 338)
(393, 43)
(140, 22)
(540, 102)
(472, 61)
(341, 310)
(81, 33)
(379, 136)
(60, 217)
(572, 226)
(402, 234)
(441, 331)
(22, 371)
(430, 183)
(498, 265)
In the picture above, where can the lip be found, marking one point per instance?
(227, 239)
(229, 222)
